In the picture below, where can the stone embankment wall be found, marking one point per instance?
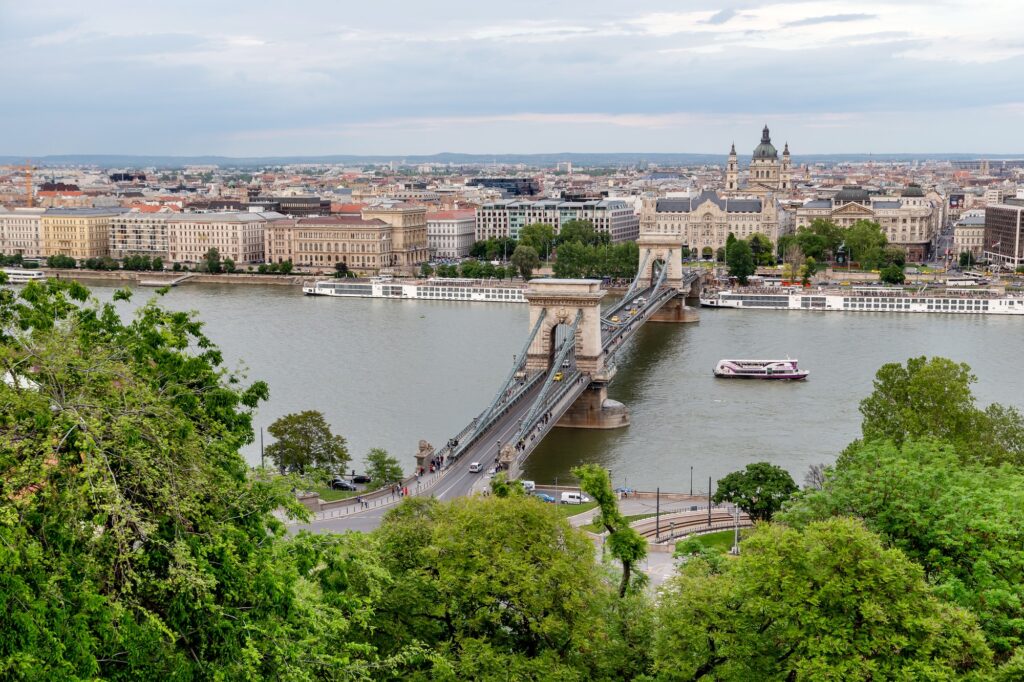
(129, 276)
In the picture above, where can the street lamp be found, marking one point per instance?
(691, 480)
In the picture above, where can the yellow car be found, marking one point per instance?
(615, 319)
(559, 376)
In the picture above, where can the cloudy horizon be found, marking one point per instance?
(320, 78)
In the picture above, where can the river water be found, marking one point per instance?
(389, 373)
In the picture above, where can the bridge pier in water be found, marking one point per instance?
(595, 410)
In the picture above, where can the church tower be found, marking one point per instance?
(732, 171)
(787, 170)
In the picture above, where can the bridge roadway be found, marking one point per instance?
(518, 402)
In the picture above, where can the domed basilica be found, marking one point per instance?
(767, 174)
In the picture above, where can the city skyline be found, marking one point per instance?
(232, 80)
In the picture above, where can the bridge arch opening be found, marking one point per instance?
(557, 334)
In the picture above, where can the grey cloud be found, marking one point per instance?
(830, 19)
(722, 16)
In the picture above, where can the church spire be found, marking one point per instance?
(765, 137)
(732, 150)
(785, 149)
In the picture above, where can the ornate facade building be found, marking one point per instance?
(909, 220)
(767, 174)
(706, 220)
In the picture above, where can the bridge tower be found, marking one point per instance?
(563, 299)
(662, 246)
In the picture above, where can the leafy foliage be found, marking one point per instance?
(304, 441)
(759, 490)
(624, 543)
(382, 468)
(526, 260)
(824, 602)
(740, 260)
(538, 236)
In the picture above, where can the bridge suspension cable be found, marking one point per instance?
(485, 416)
(563, 353)
(639, 273)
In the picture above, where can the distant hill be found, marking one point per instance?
(581, 159)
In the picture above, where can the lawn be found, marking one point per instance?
(594, 528)
(721, 540)
(567, 510)
(328, 495)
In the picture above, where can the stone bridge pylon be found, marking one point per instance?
(563, 299)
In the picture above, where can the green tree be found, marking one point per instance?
(720, 254)
(807, 271)
(285, 267)
(304, 441)
(624, 543)
(60, 261)
(892, 274)
(762, 249)
(966, 259)
(470, 269)
(134, 543)
(582, 232)
(229, 265)
(212, 261)
(956, 516)
(932, 398)
(157, 263)
(426, 270)
(539, 236)
(759, 490)
(341, 269)
(382, 468)
(740, 260)
(526, 260)
(866, 241)
(826, 602)
(508, 588)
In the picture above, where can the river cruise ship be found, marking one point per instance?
(17, 276)
(867, 299)
(434, 289)
(776, 370)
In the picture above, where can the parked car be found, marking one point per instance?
(340, 484)
(574, 498)
(528, 486)
(625, 491)
(360, 478)
(544, 497)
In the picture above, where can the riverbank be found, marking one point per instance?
(135, 277)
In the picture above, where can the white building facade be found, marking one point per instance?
(613, 217)
(238, 236)
(19, 232)
(706, 220)
(450, 234)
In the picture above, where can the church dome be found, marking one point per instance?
(765, 150)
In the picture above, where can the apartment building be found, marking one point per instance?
(77, 232)
(706, 220)
(969, 234)
(237, 235)
(1003, 225)
(614, 217)
(19, 232)
(909, 220)
(450, 234)
(138, 233)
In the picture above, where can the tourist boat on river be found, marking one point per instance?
(868, 299)
(18, 276)
(433, 289)
(784, 370)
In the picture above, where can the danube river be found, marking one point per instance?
(389, 373)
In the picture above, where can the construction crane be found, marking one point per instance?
(27, 170)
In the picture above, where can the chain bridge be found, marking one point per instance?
(561, 375)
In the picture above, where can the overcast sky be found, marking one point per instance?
(413, 77)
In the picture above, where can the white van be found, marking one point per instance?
(529, 486)
(574, 498)
(475, 467)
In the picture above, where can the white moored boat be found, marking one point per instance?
(434, 289)
(867, 299)
(784, 370)
(16, 276)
